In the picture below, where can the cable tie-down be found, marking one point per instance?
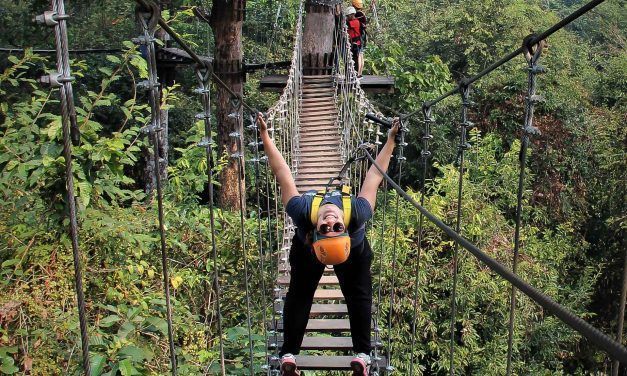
(50, 18)
(147, 85)
(142, 40)
(55, 79)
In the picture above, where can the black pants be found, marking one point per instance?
(356, 284)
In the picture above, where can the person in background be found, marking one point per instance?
(355, 31)
(363, 22)
(328, 234)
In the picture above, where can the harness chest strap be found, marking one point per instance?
(346, 205)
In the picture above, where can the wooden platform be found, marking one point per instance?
(370, 84)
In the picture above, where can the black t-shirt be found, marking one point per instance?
(299, 209)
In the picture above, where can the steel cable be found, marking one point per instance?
(425, 154)
(463, 146)
(613, 348)
(147, 20)
(528, 129)
(204, 89)
(62, 79)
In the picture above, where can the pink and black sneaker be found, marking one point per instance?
(288, 366)
(360, 365)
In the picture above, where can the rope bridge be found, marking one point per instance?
(319, 124)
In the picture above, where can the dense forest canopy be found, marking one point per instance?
(574, 214)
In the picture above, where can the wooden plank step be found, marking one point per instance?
(320, 309)
(329, 362)
(315, 163)
(317, 85)
(325, 113)
(319, 130)
(321, 343)
(318, 89)
(320, 294)
(326, 280)
(328, 95)
(313, 179)
(311, 103)
(323, 325)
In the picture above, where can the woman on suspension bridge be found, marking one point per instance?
(330, 230)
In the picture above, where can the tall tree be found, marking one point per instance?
(226, 21)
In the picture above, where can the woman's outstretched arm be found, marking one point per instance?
(277, 163)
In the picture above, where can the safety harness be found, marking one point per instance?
(346, 205)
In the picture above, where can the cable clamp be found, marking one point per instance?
(425, 153)
(531, 130)
(234, 134)
(151, 128)
(535, 99)
(143, 40)
(55, 79)
(537, 69)
(201, 90)
(253, 160)
(204, 142)
(468, 103)
(253, 144)
(147, 85)
(253, 126)
(202, 116)
(50, 18)
(401, 158)
(233, 115)
(465, 146)
(427, 137)
(403, 144)
(390, 369)
(467, 124)
(263, 158)
(236, 155)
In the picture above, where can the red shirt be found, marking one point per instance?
(354, 31)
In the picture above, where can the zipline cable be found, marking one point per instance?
(528, 129)
(147, 18)
(463, 146)
(425, 154)
(600, 339)
(204, 89)
(62, 79)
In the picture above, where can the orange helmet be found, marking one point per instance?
(332, 250)
(358, 4)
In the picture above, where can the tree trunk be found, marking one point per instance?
(318, 36)
(226, 21)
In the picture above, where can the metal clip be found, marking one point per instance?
(537, 69)
(467, 124)
(536, 98)
(147, 85)
(50, 18)
(151, 128)
(263, 158)
(469, 103)
(55, 79)
(427, 137)
(204, 142)
(201, 90)
(401, 158)
(142, 40)
(253, 144)
(234, 134)
(233, 115)
(465, 146)
(425, 153)
(252, 126)
(202, 116)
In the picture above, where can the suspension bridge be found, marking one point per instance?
(320, 123)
